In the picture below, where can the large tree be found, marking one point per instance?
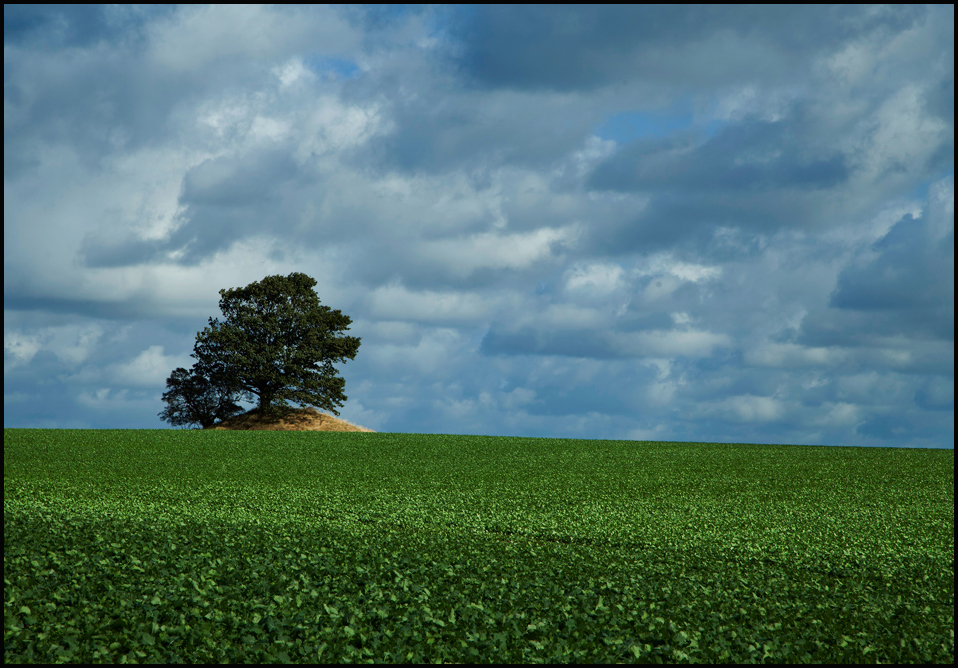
(277, 344)
(194, 399)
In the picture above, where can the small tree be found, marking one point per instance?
(196, 399)
(277, 344)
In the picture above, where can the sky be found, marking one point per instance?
(702, 224)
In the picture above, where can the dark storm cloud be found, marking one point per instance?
(909, 287)
(531, 341)
(941, 97)
(94, 109)
(738, 178)
(690, 220)
(26, 300)
(563, 399)
(105, 250)
(377, 20)
(580, 47)
(69, 26)
(742, 158)
(224, 200)
(936, 394)
(239, 181)
(475, 133)
(888, 427)
(100, 98)
(909, 273)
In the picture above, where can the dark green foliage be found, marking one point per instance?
(195, 399)
(277, 344)
(162, 546)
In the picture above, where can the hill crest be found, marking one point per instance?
(294, 419)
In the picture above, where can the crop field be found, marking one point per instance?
(136, 546)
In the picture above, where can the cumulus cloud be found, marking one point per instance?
(20, 348)
(746, 408)
(596, 278)
(675, 223)
(838, 415)
(671, 343)
(431, 354)
(150, 368)
(910, 269)
(792, 355)
(71, 344)
(495, 251)
(200, 36)
(395, 302)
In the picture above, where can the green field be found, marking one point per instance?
(259, 546)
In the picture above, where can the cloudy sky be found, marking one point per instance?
(723, 224)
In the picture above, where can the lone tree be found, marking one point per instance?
(195, 399)
(277, 344)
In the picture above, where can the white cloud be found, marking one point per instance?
(681, 318)
(668, 343)
(900, 136)
(494, 251)
(226, 116)
(438, 350)
(694, 272)
(769, 105)
(418, 205)
(941, 209)
(396, 302)
(330, 126)
(150, 368)
(356, 413)
(660, 289)
(197, 36)
(292, 71)
(390, 331)
(870, 59)
(565, 316)
(71, 344)
(852, 62)
(194, 290)
(598, 278)
(669, 274)
(20, 347)
(657, 433)
(269, 129)
(144, 189)
(872, 388)
(519, 397)
(746, 408)
(894, 357)
(661, 394)
(456, 409)
(783, 355)
(580, 163)
(663, 366)
(408, 175)
(103, 399)
(838, 415)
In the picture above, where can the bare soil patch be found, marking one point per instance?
(293, 419)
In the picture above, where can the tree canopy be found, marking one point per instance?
(195, 400)
(276, 344)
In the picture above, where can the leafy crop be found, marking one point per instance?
(259, 546)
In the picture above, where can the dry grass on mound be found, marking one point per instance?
(296, 419)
